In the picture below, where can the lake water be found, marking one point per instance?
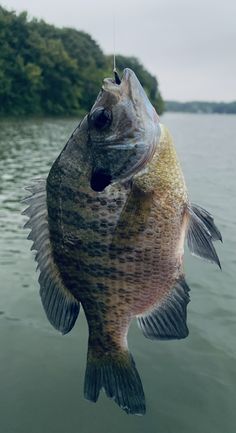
(190, 385)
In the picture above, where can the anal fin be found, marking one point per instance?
(61, 307)
(167, 321)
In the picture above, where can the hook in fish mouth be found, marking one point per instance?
(117, 78)
(100, 179)
(111, 83)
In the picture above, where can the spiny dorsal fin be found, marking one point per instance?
(61, 307)
(201, 233)
(167, 321)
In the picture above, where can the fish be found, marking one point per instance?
(108, 225)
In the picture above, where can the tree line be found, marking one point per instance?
(201, 107)
(46, 70)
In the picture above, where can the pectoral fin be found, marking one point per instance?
(59, 304)
(201, 233)
(208, 220)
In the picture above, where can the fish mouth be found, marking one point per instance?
(100, 179)
(116, 84)
(128, 85)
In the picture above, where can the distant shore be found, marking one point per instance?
(201, 107)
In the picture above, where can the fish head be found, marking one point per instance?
(123, 131)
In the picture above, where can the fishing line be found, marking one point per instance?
(116, 75)
(114, 42)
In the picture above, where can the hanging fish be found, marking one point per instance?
(109, 225)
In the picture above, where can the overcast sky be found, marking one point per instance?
(190, 45)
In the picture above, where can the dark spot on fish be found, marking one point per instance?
(102, 287)
(100, 179)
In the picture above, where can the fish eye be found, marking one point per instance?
(100, 118)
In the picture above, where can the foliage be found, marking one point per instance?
(202, 107)
(49, 70)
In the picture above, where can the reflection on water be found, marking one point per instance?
(190, 385)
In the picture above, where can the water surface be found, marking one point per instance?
(190, 385)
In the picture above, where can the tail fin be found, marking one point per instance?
(118, 376)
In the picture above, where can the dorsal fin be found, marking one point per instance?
(201, 233)
(61, 307)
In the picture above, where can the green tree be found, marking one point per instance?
(49, 70)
